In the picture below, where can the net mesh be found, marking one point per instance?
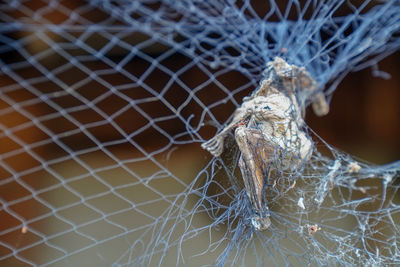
(104, 106)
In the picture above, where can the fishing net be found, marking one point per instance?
(104, 106)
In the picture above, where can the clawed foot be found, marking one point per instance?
(215, 145)
(260, 223)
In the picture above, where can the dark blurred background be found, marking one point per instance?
(364, 117)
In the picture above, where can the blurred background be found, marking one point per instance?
(84, 146)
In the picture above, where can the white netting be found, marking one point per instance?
(104, 106)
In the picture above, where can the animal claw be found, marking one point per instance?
(214, 146)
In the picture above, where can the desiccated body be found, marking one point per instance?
(274, 129)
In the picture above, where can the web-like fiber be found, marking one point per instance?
(104, 106)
